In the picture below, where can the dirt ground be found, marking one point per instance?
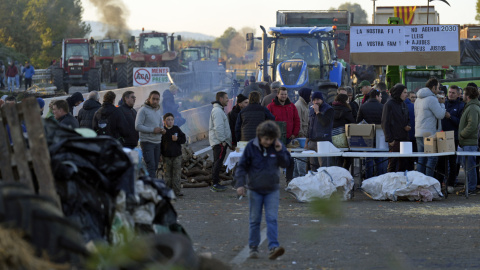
(368, 235)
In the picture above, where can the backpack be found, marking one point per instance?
(102, 127)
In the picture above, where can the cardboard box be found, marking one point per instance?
(361, 136)
(430, 144)
(380, 142)
(446, 141)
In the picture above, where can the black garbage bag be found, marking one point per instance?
(89, 173)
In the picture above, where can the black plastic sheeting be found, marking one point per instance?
(89, 173)
(470, 52)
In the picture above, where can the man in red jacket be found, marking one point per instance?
(285, 111)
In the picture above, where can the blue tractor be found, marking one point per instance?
(302, 57)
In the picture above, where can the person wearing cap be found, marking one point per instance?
(74, 100)
(320, 126)
(169, 105)
(252, 86)
(396, 125)
(269, 98)
(251, 117)
(365, 88)
(242, 102)
(28, 72)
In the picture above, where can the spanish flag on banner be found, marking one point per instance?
(405, 13)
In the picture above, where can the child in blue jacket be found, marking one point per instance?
(259, 171)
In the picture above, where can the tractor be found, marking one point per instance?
(152, 50)
(77, 66)
(188, 55)
(110, 53)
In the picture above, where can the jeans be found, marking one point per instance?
(17, 80)
(219, 153)
(470, 163)
(380, 165)
(151, 156)
(257, 201)
(430, 162)
(11, 84)
(300, 167)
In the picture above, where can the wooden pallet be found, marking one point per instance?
(19, 161)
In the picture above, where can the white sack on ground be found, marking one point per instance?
(413, 186)
(322, 184)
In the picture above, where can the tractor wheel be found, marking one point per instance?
(42, 223)
(331, 94)
(66, 86)
(58, 79)
(94, 80)
(125, 74)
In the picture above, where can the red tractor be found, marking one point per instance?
(77, 66)
(152, 50)
(109, 53)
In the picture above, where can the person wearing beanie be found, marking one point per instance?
(88, 110)
(320, 126)
(74, 100)
(169, 105)
(41, 104)
(429, 111)
(242, 102)
(250, 118)
(396, 125)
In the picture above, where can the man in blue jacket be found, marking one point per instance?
(28, 72)
(454, 107)
(258, 170)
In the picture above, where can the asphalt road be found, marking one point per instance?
(367, 234)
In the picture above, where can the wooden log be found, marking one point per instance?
(195, 185)
(203, 178)
(226, 183)
(225, 177)
(196, 171)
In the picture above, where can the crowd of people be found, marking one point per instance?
(14, 74)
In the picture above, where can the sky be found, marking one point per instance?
(213, 17)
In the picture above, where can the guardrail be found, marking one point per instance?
(42, 76)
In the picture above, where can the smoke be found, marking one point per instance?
(114, 14)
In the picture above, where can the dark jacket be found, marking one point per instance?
(12, 71)
(116, 123)
(385, 96)
(253, 87)
(232, 120)
(74, 98)
(249, 119)
(170, 148)
(69, 121)
(261, 166)
(86, 114)
(320, 125)
(354, 106)
(411, 114)
(342, 115)
(394, 120)
(131, 136)
(455, 108)
(371, 111)
(287, 113)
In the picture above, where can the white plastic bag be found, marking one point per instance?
(322, 184)
(412, 185)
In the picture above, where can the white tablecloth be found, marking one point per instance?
(232, 160)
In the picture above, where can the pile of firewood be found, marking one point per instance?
(197, 170)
